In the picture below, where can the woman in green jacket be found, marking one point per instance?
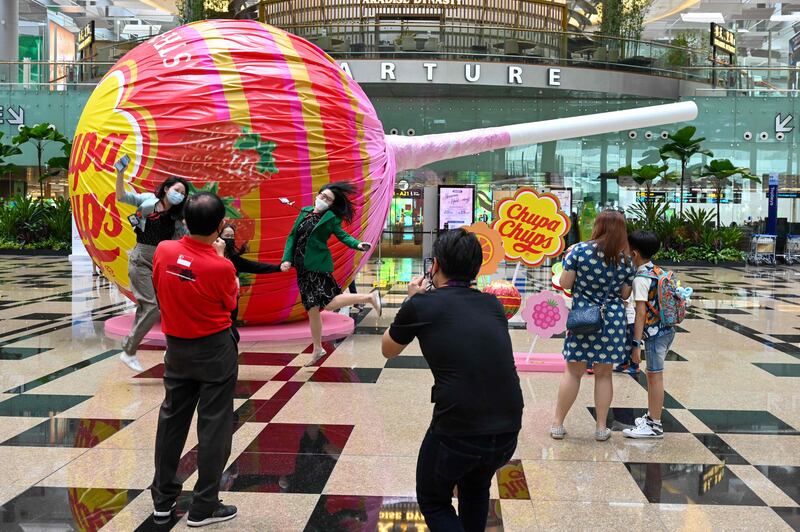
(307, 250)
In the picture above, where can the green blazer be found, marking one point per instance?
(318, 257)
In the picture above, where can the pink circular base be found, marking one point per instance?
(334, 325)
(543, 362)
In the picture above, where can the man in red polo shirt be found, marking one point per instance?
(196, 288)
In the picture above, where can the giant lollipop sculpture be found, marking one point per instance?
(255, 113)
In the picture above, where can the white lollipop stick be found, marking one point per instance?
(530, 351)
(416, 152)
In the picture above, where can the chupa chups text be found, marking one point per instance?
(532, 226)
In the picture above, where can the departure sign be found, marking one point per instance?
(723, 39)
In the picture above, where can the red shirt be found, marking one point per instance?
(196, 288)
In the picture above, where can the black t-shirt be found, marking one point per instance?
(464, 338)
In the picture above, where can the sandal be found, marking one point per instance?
(317, 357)
(377, 304)
(558, 433)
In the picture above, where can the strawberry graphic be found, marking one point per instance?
(245, 229)
(225, 153)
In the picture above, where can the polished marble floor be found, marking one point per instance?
(334, 447)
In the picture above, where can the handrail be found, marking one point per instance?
(438, 28)
(458, 42)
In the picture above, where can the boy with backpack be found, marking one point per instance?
(660, 305)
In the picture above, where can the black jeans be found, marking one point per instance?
(469, 463)
(200, 374)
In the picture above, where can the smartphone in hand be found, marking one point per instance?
(123, 163)
(366, 246)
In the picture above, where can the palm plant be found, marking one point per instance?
(7, 150)
(646, 175)
(682, 148)
(720, 171)
(40, 135)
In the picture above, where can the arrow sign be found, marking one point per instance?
(781, 125)
(17, 119)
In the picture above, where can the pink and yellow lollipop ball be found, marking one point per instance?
(248, 111)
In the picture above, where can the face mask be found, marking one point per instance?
(174, 197)
(321, 205)
(230, 242)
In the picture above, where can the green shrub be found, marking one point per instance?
(692, 237)
(58, 219)
(26, 223)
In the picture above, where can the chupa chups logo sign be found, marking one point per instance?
(532, 226)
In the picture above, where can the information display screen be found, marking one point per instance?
(456, 206)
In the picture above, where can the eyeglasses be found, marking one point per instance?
(326, 198)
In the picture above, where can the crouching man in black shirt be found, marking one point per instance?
(463, 335)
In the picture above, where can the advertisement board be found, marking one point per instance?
(456, 206)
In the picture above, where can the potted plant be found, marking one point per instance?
(40, 135)
(720, 171)
(682, 148)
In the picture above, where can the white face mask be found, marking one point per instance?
(321, 205)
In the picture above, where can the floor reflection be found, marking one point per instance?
(288, 458)
(692, 484)
(44, 508)
(66, 432)
(348, 513)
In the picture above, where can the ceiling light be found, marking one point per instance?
(793, 17)
(742, 30)
(703, 17)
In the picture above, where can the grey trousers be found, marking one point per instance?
(201, 374)
(140, 271)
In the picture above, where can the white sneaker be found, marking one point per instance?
(131, 361)
(648, 429)
(165, 513)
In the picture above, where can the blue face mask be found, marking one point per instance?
(174, 197)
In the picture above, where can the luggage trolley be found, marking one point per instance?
(792, 249)
(762, 249)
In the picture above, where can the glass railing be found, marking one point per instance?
(488, 43)
(56, 76)
(420, 40)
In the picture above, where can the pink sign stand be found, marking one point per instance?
(334, 325)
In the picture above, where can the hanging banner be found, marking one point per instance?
(532, 226)
(772, 211)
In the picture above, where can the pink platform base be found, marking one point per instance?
(544, 362)
(334, 325)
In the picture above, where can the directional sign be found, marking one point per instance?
(782, 124)
(11, 117)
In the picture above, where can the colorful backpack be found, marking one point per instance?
(671, 299)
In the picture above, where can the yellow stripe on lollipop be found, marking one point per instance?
(232, 84)
(312, 117)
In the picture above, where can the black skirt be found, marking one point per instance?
(317, 289)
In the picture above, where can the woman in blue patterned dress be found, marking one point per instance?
(599, 272)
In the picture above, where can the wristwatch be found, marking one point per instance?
(637, 343)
